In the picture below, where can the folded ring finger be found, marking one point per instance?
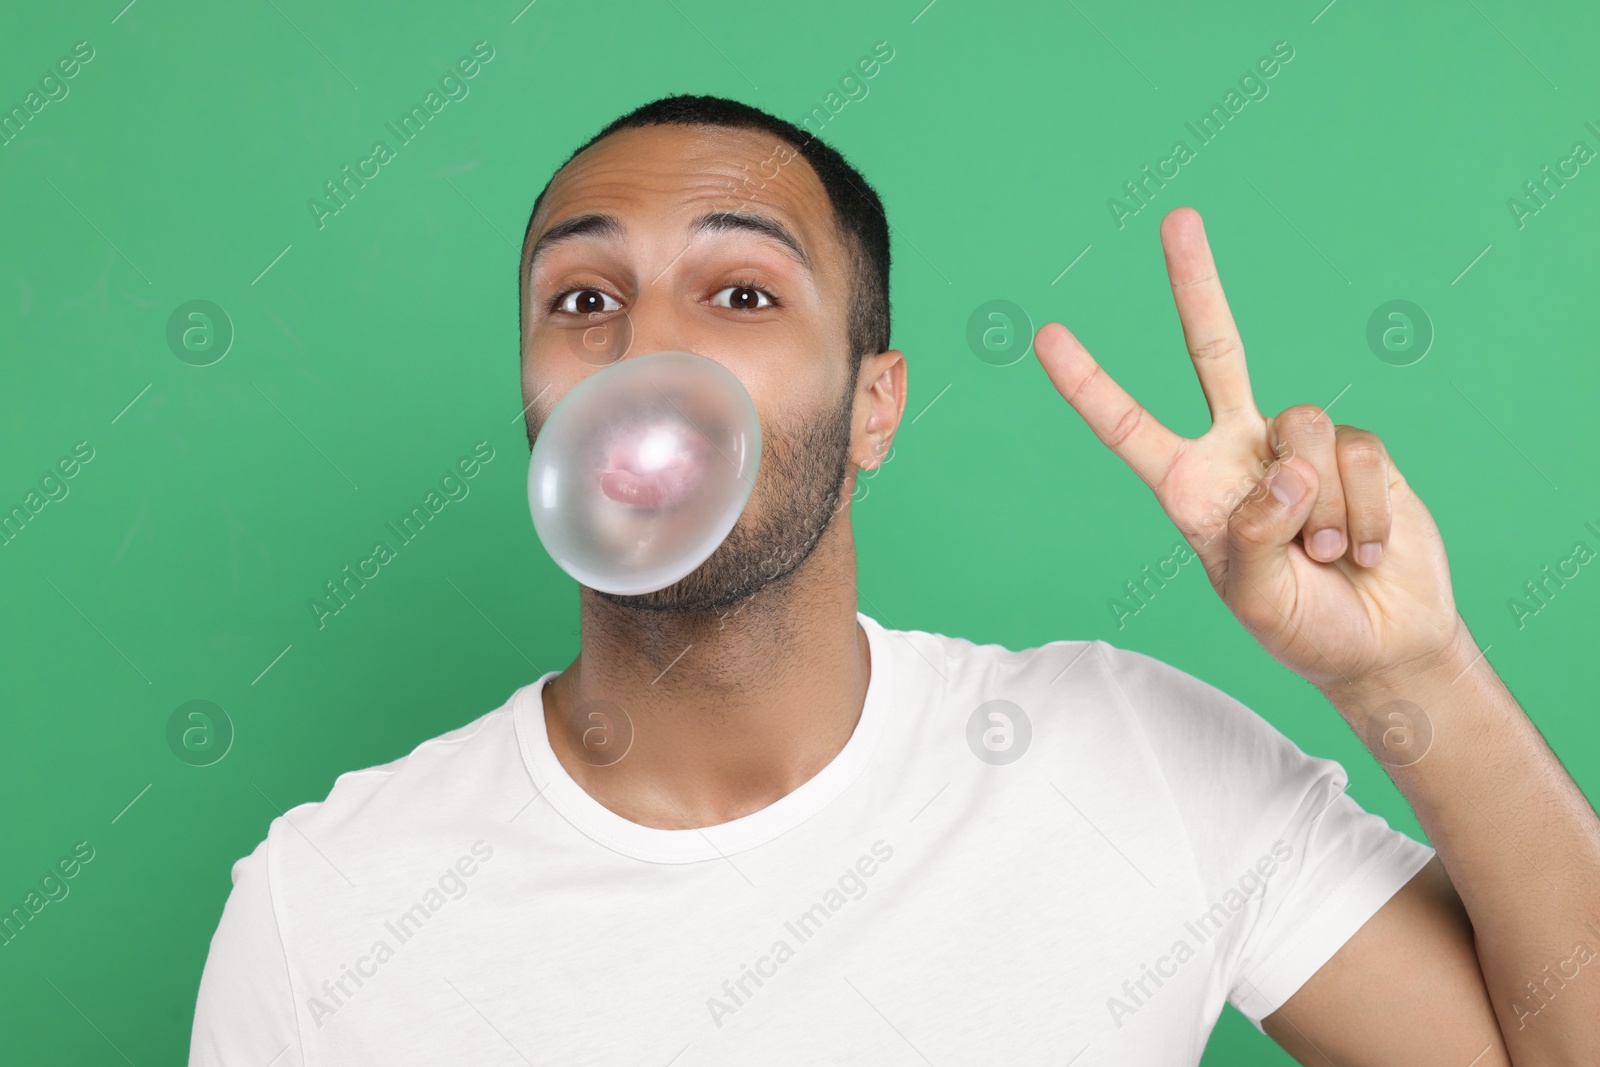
(1306, 430)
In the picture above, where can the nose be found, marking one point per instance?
(654, 323)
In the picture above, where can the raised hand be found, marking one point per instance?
(1307, 530)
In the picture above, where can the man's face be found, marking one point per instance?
(659, 276)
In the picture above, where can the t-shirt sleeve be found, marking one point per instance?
(244, 1013)
(1290, 865)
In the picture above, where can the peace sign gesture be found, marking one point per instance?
(1307, 530)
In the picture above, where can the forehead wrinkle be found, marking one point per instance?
(616, 175)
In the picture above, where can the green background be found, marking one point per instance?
(372, 353)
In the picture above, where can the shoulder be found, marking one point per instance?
(959, 663)
(1191, 728)
(1080, 673)
(376, 818)
(1198, 723)
(439, 771)
(325, 866)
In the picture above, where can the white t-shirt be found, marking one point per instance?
(1017, 857)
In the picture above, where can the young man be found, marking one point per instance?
(748, 824)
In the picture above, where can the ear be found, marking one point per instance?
(881, 387)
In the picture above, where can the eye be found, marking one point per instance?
(586, 301)
(744, 298)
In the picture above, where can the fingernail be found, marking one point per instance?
(1287, 486)
(1325, 544)
(1369, 553)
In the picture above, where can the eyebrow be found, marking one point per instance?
(591, 225)
(772, 229)
(607, 227)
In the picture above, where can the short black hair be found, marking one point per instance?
(857, 211)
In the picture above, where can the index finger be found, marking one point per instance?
(1208, 327)
(1119, 420)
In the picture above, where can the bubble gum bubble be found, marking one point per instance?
(642, 469)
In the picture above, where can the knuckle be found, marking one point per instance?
(1247, 525)
(1361, 452)
(1246, 534)
(1084, 383)
(1329, 508)
(1215, 348)
(1190, 283)
(1125, 426)
(1306, 420)
(1369, 520)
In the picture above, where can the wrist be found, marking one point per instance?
(1411, 679)
(1394, 710)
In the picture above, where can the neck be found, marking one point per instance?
(729, 710)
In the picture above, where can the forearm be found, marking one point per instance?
(1520, 842)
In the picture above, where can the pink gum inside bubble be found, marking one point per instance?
(653, 466)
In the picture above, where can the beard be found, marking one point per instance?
(796, 495)
(795, 498)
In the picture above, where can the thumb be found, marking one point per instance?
(1260, 532)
